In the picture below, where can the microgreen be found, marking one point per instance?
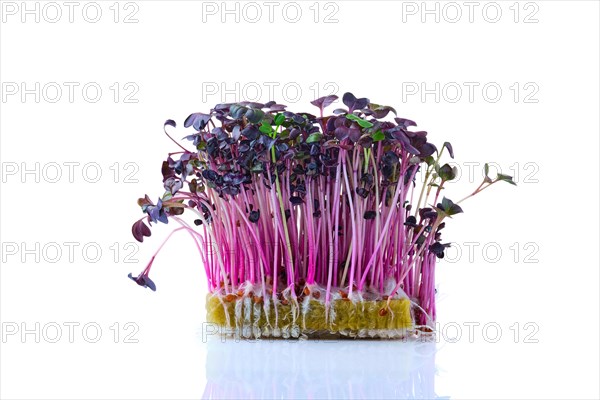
(289, 205)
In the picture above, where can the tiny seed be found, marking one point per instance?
(383, 312)
(385, 297)
(343, 294)
(230, 297)
(284, 302)
(306, 291)
(316, 295)
(257, 299)
(240, 293)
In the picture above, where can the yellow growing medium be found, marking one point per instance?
(243, 317)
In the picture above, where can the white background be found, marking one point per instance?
(541, 290)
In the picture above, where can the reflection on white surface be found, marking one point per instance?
(319, 370)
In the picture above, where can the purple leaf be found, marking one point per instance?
(405, 123)
(277, 107)
(381, 111)
(353, 103)
(354, 134)
(236, 132)
(237, 111)
(168, 122)
(173, 184)
(341, 133)
(251, 104)
(427, 149)
(323, 102)
(149, 283)
(250, 132)
(139, 230)
(143, 280)
(448, 146)
(197, 120)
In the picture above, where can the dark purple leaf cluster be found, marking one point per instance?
(238, 146)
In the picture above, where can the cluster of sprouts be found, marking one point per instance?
(288, 205)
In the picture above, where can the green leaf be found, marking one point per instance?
(506, 178)
(265, 128)
(455, 209)
(486, 169)
(314, 137)
(363, 123)
(446, 203)
(279, 119)
(447, 173)
(378, 136)
(167, 196)
(449, 208)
